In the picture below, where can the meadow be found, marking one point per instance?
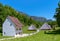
(1, 37)
(41, 36)
(25, 30)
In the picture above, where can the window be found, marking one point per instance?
(16, 33)
(16, 28)
(10, 24)
(4, 33)
(19, 28)
(19, 32)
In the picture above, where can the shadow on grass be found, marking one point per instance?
(53, 32)
(0, 34)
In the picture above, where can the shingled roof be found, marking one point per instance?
(32, 27)
(15, 21)
(45, 26)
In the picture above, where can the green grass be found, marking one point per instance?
(3, 36)
(41, 36)
(25, 30)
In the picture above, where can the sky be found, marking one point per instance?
(39, 8)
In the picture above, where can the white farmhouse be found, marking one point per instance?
(12, 26)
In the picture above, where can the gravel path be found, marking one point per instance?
(18, 36)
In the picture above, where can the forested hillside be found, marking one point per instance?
(41, 19)
(6, 10)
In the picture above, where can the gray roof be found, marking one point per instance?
(45, 26)
(32, 27)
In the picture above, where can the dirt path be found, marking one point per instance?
(23, 35)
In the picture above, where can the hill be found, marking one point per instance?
(6, 10)
(41, 19)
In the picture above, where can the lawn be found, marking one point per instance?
(1, 37)
(25, 30)
(39, 37)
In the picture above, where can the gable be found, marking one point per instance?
(32, 27)
(8, 22)
(17, 23)
(45, 27)
(13, 21)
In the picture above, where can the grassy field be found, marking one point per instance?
(1, 37)
(39, 37)
(25, 30)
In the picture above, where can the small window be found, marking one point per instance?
(4, 33)
(16, 28)
(10, 24)
(19, 32)
(19, 28)
(16, 33)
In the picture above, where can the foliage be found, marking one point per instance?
(1, 37)
(25, 30)
(6, 10)
(57, 15)
(53, 24)
(38, 37)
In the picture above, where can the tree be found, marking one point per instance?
(53, 24)
(57, 14)
(6, 10)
